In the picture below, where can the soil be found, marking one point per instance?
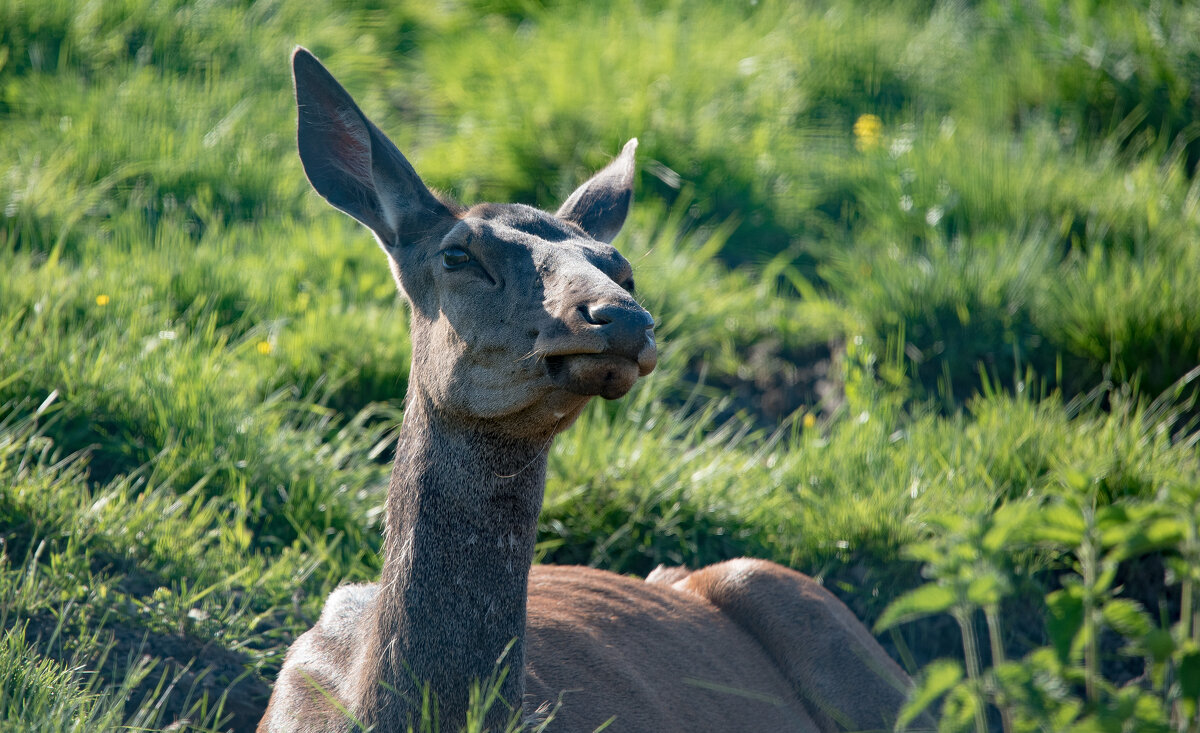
(775, 383)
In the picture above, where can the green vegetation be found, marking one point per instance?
(928, 278)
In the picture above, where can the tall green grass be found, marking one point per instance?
(922, 272)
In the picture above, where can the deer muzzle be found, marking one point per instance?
(609, 346)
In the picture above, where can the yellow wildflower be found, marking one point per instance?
(810, 420)
(102, 300)
(868, 132)
(264, 347)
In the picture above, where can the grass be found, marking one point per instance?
(923, 273)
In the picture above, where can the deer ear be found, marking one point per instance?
(353, 165)
(600, 205)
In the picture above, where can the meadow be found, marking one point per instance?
(928, 284)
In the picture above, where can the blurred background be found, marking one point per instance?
(928, 275)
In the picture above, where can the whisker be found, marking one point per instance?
(536, 354)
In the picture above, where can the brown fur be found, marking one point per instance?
(519, 318)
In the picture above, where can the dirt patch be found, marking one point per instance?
(131, 578)
(774, 383)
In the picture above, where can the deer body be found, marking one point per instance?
(519, 318)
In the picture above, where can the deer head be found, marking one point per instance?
(518, 316)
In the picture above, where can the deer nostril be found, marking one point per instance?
(597, 315)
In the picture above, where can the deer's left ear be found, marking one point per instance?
(599, 206)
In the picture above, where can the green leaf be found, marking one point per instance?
(1113, 516)
(1057, 524)
(1088, 724)
(986, 589)
(924, 601)
(1076, 479)
(1189, 674)
(1129, 708)
(1149, 714)
(936, 678)
(930, 553)
(958, 711)
(1162, 532)
(1105, 578)
(1136, 530)
(1064, 620)
(1182, 569)
(1159, 645)
(1008, 522)
(1127, 618)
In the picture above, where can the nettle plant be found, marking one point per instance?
(1062, 686)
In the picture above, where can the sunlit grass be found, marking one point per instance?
(983, 217)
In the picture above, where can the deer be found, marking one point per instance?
(519, 318)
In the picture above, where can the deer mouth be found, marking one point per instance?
(605, 375)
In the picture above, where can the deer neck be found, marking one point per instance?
(461, 525)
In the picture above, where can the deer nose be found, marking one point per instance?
(625, 326)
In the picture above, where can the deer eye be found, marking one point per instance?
(454, 258)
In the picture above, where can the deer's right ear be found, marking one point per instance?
(600, 206)
(353, 165)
